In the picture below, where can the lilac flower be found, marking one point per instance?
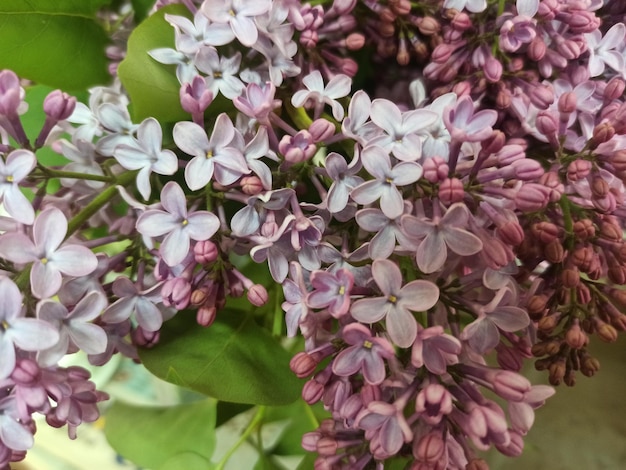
(440, 234)
(75, 327)
(257, 101)
(132, 300)
(435, 350)
(385, 424)
(179, 226)
(239, 15)
(50, 257)
(377, 163)
(466, 126)
(396, 303)
(366, 353)
(401, 129)
(221, 72)
(185, 68)
(344, 180)
(13, 434)
(214, 156)
(295, 304)
(118, 125)
(603, 50)
(331, 290)
(18, 164)
(190, 37)
(482, 334)
(337, 87)
(255, 149)
(147, 156)
(28, 334)
(83, 156)
(356, 124)
(474, 6)
(387, 232)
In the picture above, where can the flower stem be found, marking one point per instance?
(256, 420)
(98, 202)
(75, 175)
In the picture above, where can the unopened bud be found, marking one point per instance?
(584, 229)
(303, 364)
(206, 316)
(257, 295)
(567, 102)
(570, 277)
(59, 105)
(549, 322)
(537, 49)
(578, 169)
(546, 232)
(554, 251)
(430, 448)
(251, 185)
(575, 337)
(557, 371)
(205, 252)
(589, 365)
(602, 133)
(429, 26)
(605, 331)
(321, 129)
(614, 89)
(542, 97)
(610, 231)
(451, 191)
(537, 306)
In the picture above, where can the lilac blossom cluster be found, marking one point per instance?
(465, 198)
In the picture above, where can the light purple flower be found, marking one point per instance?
(605, 50)
(147, 156)
(28, 334)
(50, 256)
(378, 164)
(337, 87)
(440, 234)
(19, 163)
(212, 157)
(396, 303)
(435, 350)
(75, 327)
(13, 434)
(465, 125)
(179, 225)
(474, 6)
(482, 334)
(366, 353)
(132, 300)
(239, 15)
(344, 180)
(401, 129)
(385, 423)
(331, 290)
(221, 72)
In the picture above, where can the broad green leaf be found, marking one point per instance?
(187, 461)
(142, 8)
(232, 360)
(290, 443)
(153, 87)
(54, 43)
(308, 462)
(70, 7)
(151, 436)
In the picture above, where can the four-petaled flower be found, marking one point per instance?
(331, 290)
(396, 303)
(366, 353)
(337, 87)
(18, 165)
(179, 225)
(50, 256)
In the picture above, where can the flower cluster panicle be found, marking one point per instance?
(428, 183)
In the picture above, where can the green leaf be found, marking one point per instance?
(142, 7)
(290, 443)
(188, 461)
(151, 436)
(153, 87)
(233, 360)
(53, 43)
(308, 462)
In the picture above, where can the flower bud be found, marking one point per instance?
(477, 464)
(205, 252)
(611, 232)
(303, 364)
(536, 49)
(532, 197)
(257, 295)
(435, 169)
(567, 102)
(251, 185)
(584, 229)
(602, 133)
(546, 232)
(144, 338)
(542, 96)
(312, 391)
(431, 448)
(557, 371)
(492, 70)
(554, 251)
(59, 105)
(575, 337)
(589, 365)
(176, 292)
(327, 446)
(429, 26)
(570, 277)
(321, 130)
(26, 372)
(614, 89)
(206, 315)
(451, 191)
(537, 305)
(511, 233)
(578, 169)
(549, 322)
(605, 332)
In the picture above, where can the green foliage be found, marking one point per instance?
(160, 438)
(142, 7)
(233, 360)
(58, 43)
(152, 86)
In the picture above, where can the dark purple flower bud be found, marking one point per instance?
(532, 197)
(144, 338)
(451, 190)
(433, 402)
(435, 169)
(59, 105)
(251, 185)
(205, 252)
(206, 315)
(541, 96)
(195, 97)
(176, 293)
(26, 372)
(492, 70)
(10, 93)
(257, 295)
(321, 130)
(303, 364)
(614, 89)
(312, 391)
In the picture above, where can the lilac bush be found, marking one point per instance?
(426, 195)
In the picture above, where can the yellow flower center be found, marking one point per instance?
(209, 154)
(392, 298)
(342, 290)
(367, 344)
(10, 179)
(185, 222)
